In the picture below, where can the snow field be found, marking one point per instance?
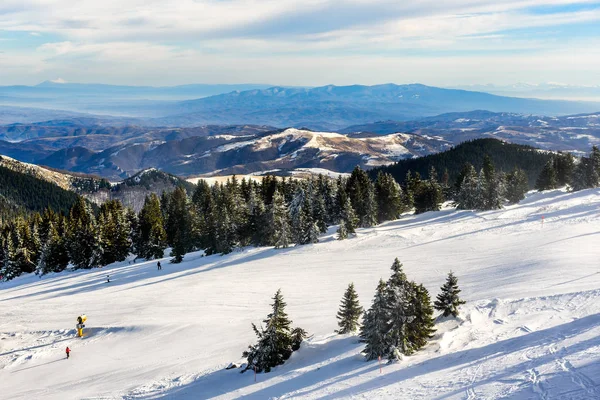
(530, 329)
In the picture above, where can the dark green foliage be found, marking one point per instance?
(504, 156)
(427, 194)
(400, 321)
(448, 300)
(516, 186)
(361, 192)
(179, 224)
(21, 194)
(350, 311)
(152, 238)
(115, 232)
(547, 178)
(276, 340)
(564, 165)
(83, 241)
(587, 172)
(281, 232)
(493, 192)
(390, 203)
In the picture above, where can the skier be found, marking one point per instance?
(159, 266)
(107, 278)
(68, 351)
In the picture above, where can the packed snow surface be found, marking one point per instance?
(530, 328)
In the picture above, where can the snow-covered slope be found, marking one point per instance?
(530, 329)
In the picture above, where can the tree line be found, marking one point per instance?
(273, 212)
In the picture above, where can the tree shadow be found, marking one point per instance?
(39, 365)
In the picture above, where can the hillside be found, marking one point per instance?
(505, 156)
(21, 193)
(227, 154)
(533, 333)
(575, 133)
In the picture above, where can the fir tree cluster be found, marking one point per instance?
(564, 170)
(400, 320)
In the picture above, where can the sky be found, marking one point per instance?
(305, 43)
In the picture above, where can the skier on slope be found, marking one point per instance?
(159, 266)
(68, 351)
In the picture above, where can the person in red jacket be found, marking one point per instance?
(68, 351)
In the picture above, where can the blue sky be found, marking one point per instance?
(313, 42)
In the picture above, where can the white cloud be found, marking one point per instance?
(265, 40)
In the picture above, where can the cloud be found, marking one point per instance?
(149, 35)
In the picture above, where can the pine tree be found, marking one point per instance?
(493, 186)
(276, 340)
(342, 232)
(470, 193)
(348, 219)
(179, 222)
(564, 165)
(152, 238)
(350, 311)
(428, 194)
(361, 192)
(516, 186)
(115, 232)
(448, 300)
(9, 269)
(547, 178)
(375, 326)
(83, 242)
(399, 299)
(422, 327)
(389, 197)
(281, 234)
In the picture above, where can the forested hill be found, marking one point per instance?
(505, 156)
(21, 193)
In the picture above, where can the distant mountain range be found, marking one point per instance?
(119, 152)
(321, 108)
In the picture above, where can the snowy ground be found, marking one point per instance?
(530, 329)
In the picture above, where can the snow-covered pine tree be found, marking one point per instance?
(400, 310)
(516, 186)
(469, 196)
(350, 311)
(342, 232)
(297, 214)
(152, 238)
(493, 194)
(348, 217)
(9, 268)
(361, 192)
(428, 195)
(281, 234)
(547, 178)
(564, 165)
(375, 326)
(448, 300)
(309, 231)
(275, 341)
(389, 197)
(82, 242)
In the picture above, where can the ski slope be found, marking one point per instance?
(530, 328)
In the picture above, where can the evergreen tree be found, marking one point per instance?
(348, 219)
(275, 340)
(564, 165)
(179, 222)
(493, 186)
(9, 268)
(547, 178)
(309, 231)
(428, 194)
(83, 242)
(470, 193)
(54, 257)
(115, 232)
(584, 175)
(448, 300)
(516, 186)
(400, 311)
(375, 326)
(152, 238)
(422, 327)
(342, 232)
(389, 198)
(281, 234)
(361, 192)
(350, 311)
